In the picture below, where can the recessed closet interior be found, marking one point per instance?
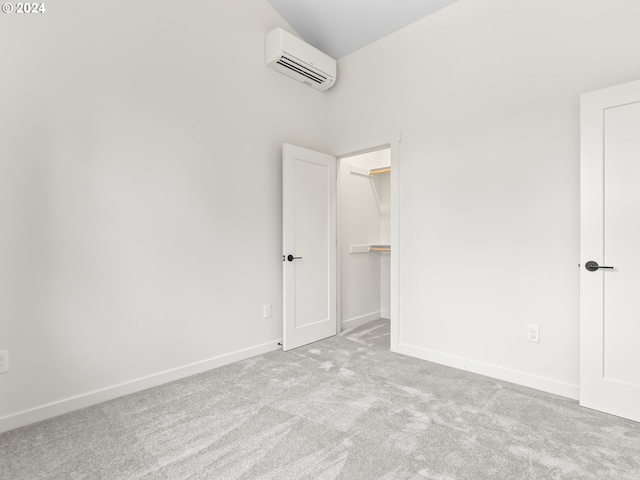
(364, 229)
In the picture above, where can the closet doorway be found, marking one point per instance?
(367, 206)
(364, 236)
(371, 262)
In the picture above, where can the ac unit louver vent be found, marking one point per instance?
(294, 58)
(301, 69)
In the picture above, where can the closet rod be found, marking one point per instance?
(382, 170)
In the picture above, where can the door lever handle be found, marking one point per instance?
(291, 258)
(593, 266)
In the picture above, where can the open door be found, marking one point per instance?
(309, 246)
(610, 258)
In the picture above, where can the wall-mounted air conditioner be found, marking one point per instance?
(292, 56)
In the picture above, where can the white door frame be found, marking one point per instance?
(391, 141)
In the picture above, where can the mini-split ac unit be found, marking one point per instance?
(292, 56)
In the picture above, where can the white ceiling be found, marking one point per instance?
(339, 27)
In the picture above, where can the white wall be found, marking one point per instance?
(363, 212)
(140, 194)
(486, 95)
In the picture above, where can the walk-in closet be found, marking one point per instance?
(364, 230)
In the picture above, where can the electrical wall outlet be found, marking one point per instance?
(266, 311)
(533, 333)
(4, 361)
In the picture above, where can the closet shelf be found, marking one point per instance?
(367, 172)
(370, 248)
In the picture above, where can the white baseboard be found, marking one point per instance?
(386, 314)
(357, 321)
(494, 371)
(78, 402)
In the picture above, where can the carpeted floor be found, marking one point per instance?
(343, 408)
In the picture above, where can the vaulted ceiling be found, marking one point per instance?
(339, 27)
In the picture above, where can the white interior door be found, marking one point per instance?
(610, 236)
(309, 245)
